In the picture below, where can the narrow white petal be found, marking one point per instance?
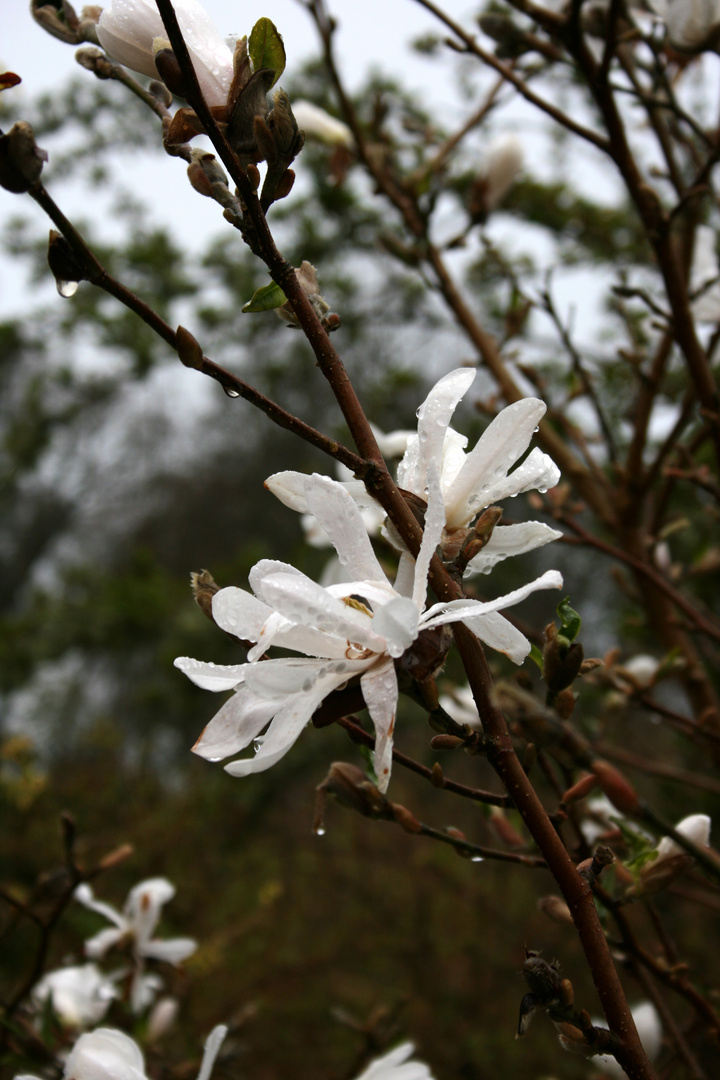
(172, 951)
(265, 568)
(101, 943)
(143, 907)
(211, 676)
(433, 419)
(508, 540)
(538, 472)
(212, 1046)
(405, 574)
(432, 532)
(85, 896)
(500, 634)
(398, 623)
(275, 680)
(286, 726)
(380, 692)
(234, 726)
(463, 610)
(289, 488)
(240, 613)
(304, 602)
(498, 448)
(336, 511)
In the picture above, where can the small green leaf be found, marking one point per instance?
(266, 48)
(537, 656)
(265, 299)
(367, 756)
(569, 619)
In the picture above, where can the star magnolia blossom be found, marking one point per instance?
(137, 924)
(688, 22)
(351, 630)
(80, 995)
(469, 482)
(128, 29)
(395, 1066)
(107, 1054)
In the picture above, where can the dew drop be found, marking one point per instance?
(230, 392)
(477, 858)
(67, 288)
(319, 830)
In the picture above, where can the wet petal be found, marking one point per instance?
(234, 726)
(499, 633)
(334, 508)
(462, 610)
(498, 448)
(211, 676)
(432, 532)
(380, 692)
(240, 613)
(398, 623)
(509, 540)
(433, 419)
(304, 602)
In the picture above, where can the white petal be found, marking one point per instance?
(234, 726)
(398, 623)
(289, 488)
(172, 951)
(143, 906)
(405, 578)
(304, 602)
(433, 419)
(392, 443)
(508, 540)
(463, 610)
(537, 472)
(85, 896)
(318, 124)
(432, 532)
(105, 1054)
(239, 612)
(340, 517)
(96, 946)
(286, 726)
(380, 692)
(498, 448)
(275, 680)
(695, 828)
(266, 567)
(211, 676)
(212, 1046)
(500, 634)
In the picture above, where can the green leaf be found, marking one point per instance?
(265, 299)
(266, 48)
(537, 656)
(569, 619)
(367, 756)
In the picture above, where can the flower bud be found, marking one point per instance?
(580, 789)
(405, 819)
(555, 908)
(59, 20)
(21, 159)
(320, 125)
(191, 355)
(619, 791)
(66, 267)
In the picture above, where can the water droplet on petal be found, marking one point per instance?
(477, 858)
(230, 392)
(67, 288)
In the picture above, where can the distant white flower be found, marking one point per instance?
(80, 995)
(107, 1054)
(350, 630)
(503, 162)
(128, 29)
(395, 1066)
(649, 1029)
(688, 22)
(641, 670)
(460, 704)
(162, 1018)
(695, 828)
(135, 926)
(705, 276)
(320, 125)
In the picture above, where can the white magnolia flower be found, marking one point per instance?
(128, 29)
(80, 995)
(705, 276)
(469, 482)
(320, 125)
(503, 162)
(107, 1054)
(696, 828)
(460, 704)
(688, 22)
(345, 631)
(649, 1028)
(395, 1066)
(136, 925)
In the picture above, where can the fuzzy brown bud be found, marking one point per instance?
(446, 742)
(555, 908)
(405, 819)
(619, 791)
(188, 349)
(580, 789)
(21, 159)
